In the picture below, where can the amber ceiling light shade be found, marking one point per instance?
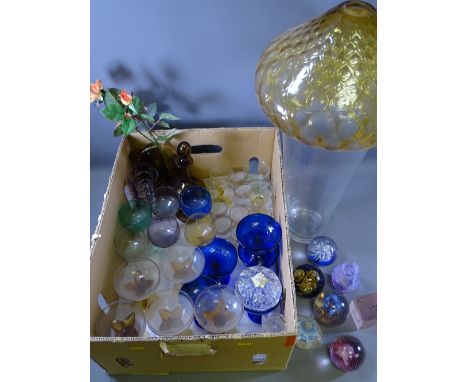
(317, 82)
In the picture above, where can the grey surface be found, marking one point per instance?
(353, 227)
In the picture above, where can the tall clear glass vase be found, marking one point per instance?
(315, 180)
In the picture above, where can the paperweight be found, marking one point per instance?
(330, 308)
(345, 277)
(308, 280)
(347, 353)
(309, 333)
(322, 251)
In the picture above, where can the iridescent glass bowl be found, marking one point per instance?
(195, 200)
(259, 239)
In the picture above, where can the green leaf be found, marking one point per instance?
(118, 131)
(128, 126)
(151, 109)
(147, 117)
(114, 112)
(168, 116)
(109, 98)
(164, 124)
(137, 104)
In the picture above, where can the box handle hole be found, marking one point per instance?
(206, 149)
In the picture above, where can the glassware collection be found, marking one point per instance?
(181, 237)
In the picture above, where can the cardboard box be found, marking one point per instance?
(201, 353)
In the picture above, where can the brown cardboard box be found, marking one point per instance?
(221, 352)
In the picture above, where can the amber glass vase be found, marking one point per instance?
(317, 83)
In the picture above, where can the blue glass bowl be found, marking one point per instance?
(195, 200)
(194, 287)
(258, 232)
(220, 258)
(265, 258)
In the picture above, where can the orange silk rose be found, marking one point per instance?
(95, 91)
(125, 98)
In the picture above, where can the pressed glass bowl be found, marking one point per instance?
(195, 200)
(218, 309)
(137, 279)
(121, 319)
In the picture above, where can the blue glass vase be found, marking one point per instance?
(220, 259)
(195, 200)
(259, 239)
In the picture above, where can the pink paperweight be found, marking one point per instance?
(347, 353)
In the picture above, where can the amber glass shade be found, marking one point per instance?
(317, 82)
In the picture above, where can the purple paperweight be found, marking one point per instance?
(347, 353)
(345, 277)
(163, 232)
(322, 251)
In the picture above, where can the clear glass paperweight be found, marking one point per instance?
(317, 82)
(309, 333)
(218, 309)
(322, 251)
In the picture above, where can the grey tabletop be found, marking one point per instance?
(354, 228)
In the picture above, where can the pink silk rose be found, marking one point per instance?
(125, 98)
(95, 91)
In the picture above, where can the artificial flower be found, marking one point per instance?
(125, 98)
(95, 91)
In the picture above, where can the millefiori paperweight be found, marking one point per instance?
(309, 333)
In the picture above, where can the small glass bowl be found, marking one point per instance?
(220, 177)
(135, 215)
(163, 232)
(121, 319)
(182, 264)
(257, 170)
(259, 232)
(137, 279)
(220, 258)
(224, 225)
(166, 202)
(130, 245)
(195, 200)
(200, 229)
(238, 212)
(218, 309)
(170, 312)
(219, 207)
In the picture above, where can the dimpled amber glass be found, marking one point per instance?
(318, 81)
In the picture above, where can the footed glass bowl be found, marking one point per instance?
(220, 258)
(259, 232)
(195, 200)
